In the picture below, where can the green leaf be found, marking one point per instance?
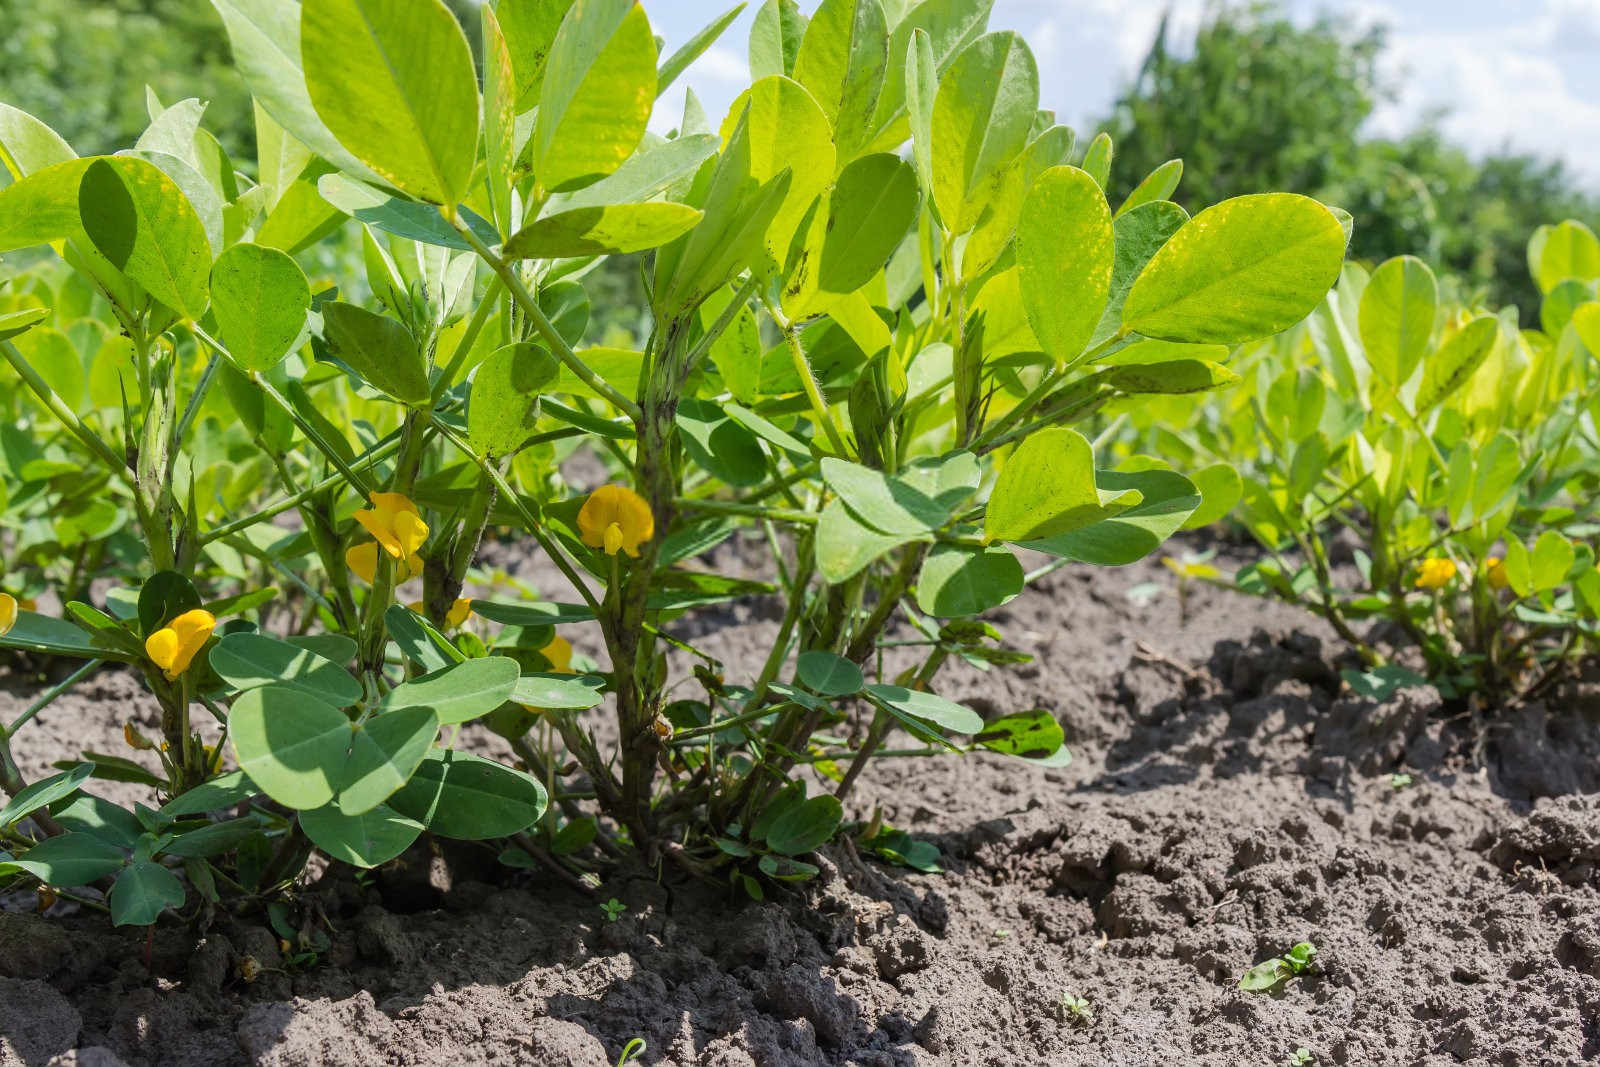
(530, 27)
(1157, 185)
(1097, 158)
(290, 744)
(532, 613)
(470, 798)
(557, 691)
(597, 231)
(215, 839)
(163, 597)
(382, 756)
(260, 297)
(460, 692)
(845, 544)
(719, 444)
(98, 817)
(504, 406)
(1220, 488)
(1551, 560)
(1046, 487)
(378, 348)
(403, 218)
(1396, 317)
(922, 88)
(982, 115)
(1030, 735)
(225, 791)
(842, 60)
(249, 661)
(418, 641)
(827, 674)
(1569, 250)
(68, 860)
(394, 82)
(1065, 250)
(366, 840)
(599, 85)
(14, 323)
(43, 793)
(1456, 361)
(27, 145)
(927, 706)
(775, 37)
(647, 174)
(1171, 377)
(1246, 268)
(1163, 501)
(33, 632)
(1139, 236)
(265, 40)
(957, 581)
(142, 223)
(806, 826)
(872, 207)
(787, 131)
(920, 500)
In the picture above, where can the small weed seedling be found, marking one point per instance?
(634, 1050)
(614, 909)
(1076, 1010)
(1269, 976)
(1400, 780)
(1300, 1057)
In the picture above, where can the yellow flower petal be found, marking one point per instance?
(362, 559)
(458, 614)
(1497, 577)
(559, 653)
(393, 520)
(615, 517)
(162, 648)
(1435, 573)
(173, 647)
(8, 612)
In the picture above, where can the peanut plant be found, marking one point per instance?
(882, 292)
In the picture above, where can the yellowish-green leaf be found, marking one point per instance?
(393, 80)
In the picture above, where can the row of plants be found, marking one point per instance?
(261, 420)
(1412, 457)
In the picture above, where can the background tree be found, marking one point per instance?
(1261, 103)
(1258, 104)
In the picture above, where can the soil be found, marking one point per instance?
(1228, 798)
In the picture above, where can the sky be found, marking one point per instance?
(1523, 74)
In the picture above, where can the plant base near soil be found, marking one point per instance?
(1226, 801)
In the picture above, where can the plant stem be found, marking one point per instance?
(530, 308)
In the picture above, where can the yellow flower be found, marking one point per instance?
(559, 653)
(8, 612)
(363, 560)
(1436, 573)
(458, 614)
(173, 646)
(1496, 569)
(616, 517)
(394, 521)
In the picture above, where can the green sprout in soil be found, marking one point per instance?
(1400, 780)
(1300, 1057)
(614, 909)
(1076, 1010)
(1270, 975)
(634, 1050)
